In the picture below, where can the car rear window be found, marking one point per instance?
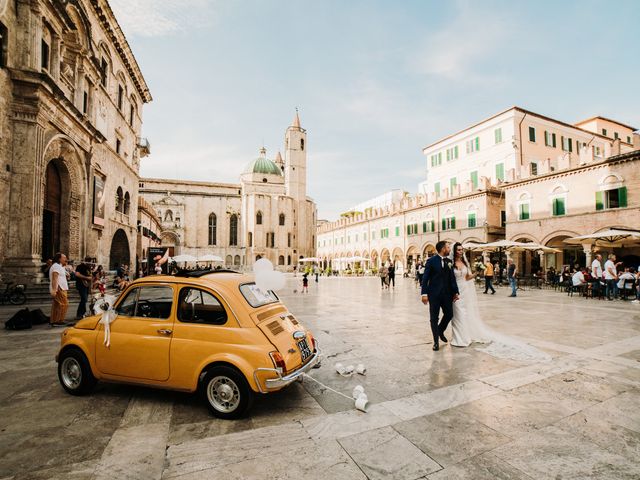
(256, 297)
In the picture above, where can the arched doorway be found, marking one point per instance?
(427, 251)
(384, 256)
(51, 215)
(397, 257)
(570, 254)
(412, 257)
(527, 261)
(119, 253)
(374, 259)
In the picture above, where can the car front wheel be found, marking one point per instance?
(226, 392)
(75, 373)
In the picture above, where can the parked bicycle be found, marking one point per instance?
(14, 294)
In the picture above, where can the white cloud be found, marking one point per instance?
(154, 18)
(208, 163)
(456, 51)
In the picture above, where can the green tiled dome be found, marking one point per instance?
(264, 166)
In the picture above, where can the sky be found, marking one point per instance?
(374, 81)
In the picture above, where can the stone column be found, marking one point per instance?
(588, 253)
(24, 242)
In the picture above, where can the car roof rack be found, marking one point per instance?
(201, 273)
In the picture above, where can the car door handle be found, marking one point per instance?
(163, 331)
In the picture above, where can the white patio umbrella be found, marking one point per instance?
(210, 258)
(309, 259)
(612, 237)
(506, 244)
(184, 258)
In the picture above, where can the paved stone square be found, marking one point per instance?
(452, 414)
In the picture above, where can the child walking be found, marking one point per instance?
(305, 283)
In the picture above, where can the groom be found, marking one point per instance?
(439, 291)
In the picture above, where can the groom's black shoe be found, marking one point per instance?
(436, 347)
(443, 338)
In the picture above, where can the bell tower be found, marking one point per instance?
(295, 168)
(295, 180)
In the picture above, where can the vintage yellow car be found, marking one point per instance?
(212, 332)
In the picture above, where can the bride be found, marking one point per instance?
(467, 323)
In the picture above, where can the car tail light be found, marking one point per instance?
(278, 361)
(313, 341)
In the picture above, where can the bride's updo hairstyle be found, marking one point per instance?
(453, 255)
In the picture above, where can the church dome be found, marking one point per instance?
(263, 165)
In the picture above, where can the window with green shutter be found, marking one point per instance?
(523, 213)
(455, 151)
(424, 227)
(471, 220)
(397, 231)
(474, 180)
(497, 133)
(444, 224)
(532, 134)
(614, 198)
(453, 222)
(436, 188)
(622, 197)
(433, 225)
(558, 207)
(477, 144)
(500, 172)
(439, 158)
(452, 183)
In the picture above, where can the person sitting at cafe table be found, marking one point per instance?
(578, 280)
(626, 280)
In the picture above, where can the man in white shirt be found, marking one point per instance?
(58, 287)
(627, 275)
(578, 280)
(611, 277)
(596, 272)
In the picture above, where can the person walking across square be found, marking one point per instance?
(488, 277)
(511, 274)
(58, 287)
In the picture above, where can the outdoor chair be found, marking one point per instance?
(628, 288)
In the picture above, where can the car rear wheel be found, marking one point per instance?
(226, 392)
(75, 373)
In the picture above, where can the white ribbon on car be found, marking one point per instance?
(109, 315)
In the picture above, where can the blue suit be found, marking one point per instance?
(439, 284)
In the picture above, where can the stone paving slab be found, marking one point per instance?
(385, 454)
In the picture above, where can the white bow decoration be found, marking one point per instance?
(109, 315)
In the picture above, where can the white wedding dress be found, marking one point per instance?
(468, 327)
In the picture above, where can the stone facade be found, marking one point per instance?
(408, 230)
(478, 179)
(595, 196)
(267, 214)
(72, 96)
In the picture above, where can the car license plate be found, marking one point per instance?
(305, 351)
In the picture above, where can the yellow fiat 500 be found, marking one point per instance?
(213, 332)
